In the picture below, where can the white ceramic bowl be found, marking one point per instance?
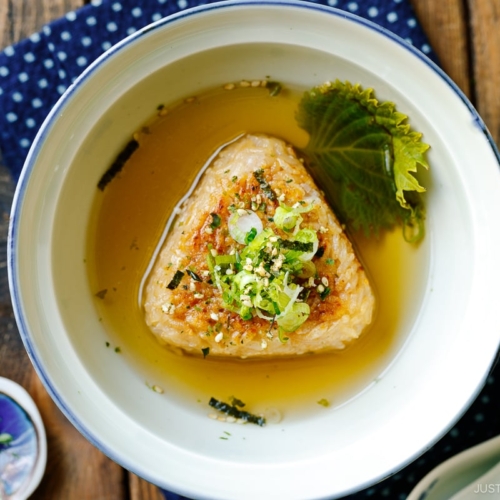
(451, 340)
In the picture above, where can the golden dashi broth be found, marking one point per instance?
(129, 217)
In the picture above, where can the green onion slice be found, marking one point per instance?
(241, 222)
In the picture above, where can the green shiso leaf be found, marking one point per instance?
(363, 154)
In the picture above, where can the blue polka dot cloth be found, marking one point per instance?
(35, 73)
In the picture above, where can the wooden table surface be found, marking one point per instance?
(466, 37)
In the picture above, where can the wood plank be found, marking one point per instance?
(445, 25)
(142, 490)
(485, 27)
(21, 18)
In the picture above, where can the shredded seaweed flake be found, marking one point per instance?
(264, 185)
(320, 252)
(299, 246)
(101, 293)
(193, 275)
(234, 411)
(274, 88)
(118, 164)
(174, 283)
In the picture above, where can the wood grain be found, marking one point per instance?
(21, 18)
(445, 24)
(485, 36)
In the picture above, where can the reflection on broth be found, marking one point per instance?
(127, 222)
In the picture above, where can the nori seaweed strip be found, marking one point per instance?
(234, 411)
(299, 246)
(118, 164)
(174, 283)
(264, 185)
(320, 252)
(274, 88)
(193, 275)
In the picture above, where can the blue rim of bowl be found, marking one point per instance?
(66, 97)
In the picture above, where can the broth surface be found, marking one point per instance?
(129, 218)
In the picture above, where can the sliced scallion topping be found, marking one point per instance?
(216, 220)
(259, 280)
(241, 222)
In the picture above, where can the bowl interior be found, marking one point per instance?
(165, 438)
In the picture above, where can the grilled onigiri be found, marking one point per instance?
(237, 275)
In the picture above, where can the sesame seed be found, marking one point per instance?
(323, 229)
(198, 295)
(213, 416)
(157, 389)
(281, 197)
(321, 288)
(209, 230)
(213, 251)
(244, 83)
(324, 280)
(219, 337)
(263, 344)
(168, 308)
(241, 212)
(229, 86)
(190, 99)
(255, 83)
(248, 267)
(214, 316)
(230, 420)
(205, 273)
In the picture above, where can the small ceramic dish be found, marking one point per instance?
(395, 416)
(23, 445)
(470, 474)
